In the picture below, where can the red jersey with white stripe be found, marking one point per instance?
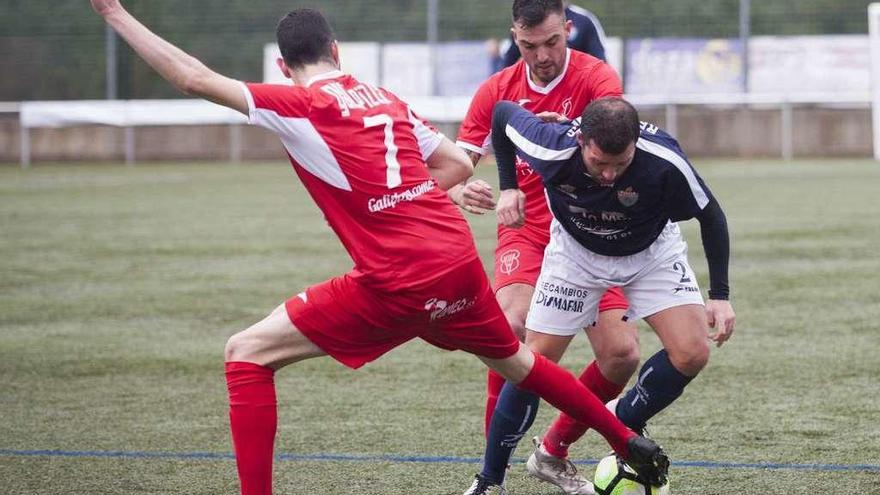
(584, 79)
(360, 152)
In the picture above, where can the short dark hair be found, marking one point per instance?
(530, 13)
(304, 37)
(612, 123)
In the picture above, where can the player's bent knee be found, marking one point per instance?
(514, 301)
(621, 350)
(234, 348)
(617, 352)
(519, 328)
(619, 362)
(241, 347)
(692, 359)
(516, 318)
(513, 368)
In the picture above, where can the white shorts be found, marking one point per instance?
(573, 279)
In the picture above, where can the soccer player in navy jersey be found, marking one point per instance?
(550, 79)
(616, 187)
(586, 35)
(378, 173)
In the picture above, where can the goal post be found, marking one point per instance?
(874, 36)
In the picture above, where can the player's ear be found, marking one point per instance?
(334, 51)
(580, 139)
(284, 69)
(568, 25)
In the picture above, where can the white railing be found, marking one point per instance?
(9, 106)
(784, 101)
(130, 114)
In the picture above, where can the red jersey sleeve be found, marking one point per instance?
(604, 81)
(473, 135)
(277, 99)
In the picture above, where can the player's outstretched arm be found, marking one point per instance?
(183, 71)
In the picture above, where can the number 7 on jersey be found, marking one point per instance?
(393, 170)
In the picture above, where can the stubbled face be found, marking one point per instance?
(543, 47)
(605, 168)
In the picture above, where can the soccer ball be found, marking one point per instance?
(614, 477)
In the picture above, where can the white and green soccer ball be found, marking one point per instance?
(614, 477)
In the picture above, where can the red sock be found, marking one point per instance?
(561, 389)
(565, 430)
(494, 384)
(252, 419)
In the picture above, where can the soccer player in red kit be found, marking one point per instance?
(378, 173)
(557, 82)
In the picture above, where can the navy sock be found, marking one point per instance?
(514, 414)
(658, 386)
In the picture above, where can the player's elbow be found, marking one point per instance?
(194, 84)
(462, 168)
(453, 172)
(450, 165)
(196, 79)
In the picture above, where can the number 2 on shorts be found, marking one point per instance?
(679, 267)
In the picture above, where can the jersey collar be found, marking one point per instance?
(548, 88)
(333, 74)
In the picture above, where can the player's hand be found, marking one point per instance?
(722, 319)
(512, 208)
(557, 118)
(106, 7)
(476, 197)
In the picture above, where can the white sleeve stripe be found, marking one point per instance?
(471, 147)
(431, 147)
(428, 139)
(535, 150)
(305, 145)
(681, 164)
(250, 102)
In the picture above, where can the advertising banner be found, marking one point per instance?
(805, 64)
(461, 67)
(405, 69)
(674, 66)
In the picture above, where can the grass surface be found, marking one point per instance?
(119, 287)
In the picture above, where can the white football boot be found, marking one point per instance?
(557, 471)
(483, 487)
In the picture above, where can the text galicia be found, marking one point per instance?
(391, 200)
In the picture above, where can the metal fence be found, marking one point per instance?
(57, 50)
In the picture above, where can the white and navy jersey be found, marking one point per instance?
(658, 187)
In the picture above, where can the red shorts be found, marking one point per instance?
(355, 324)
(518, 259)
